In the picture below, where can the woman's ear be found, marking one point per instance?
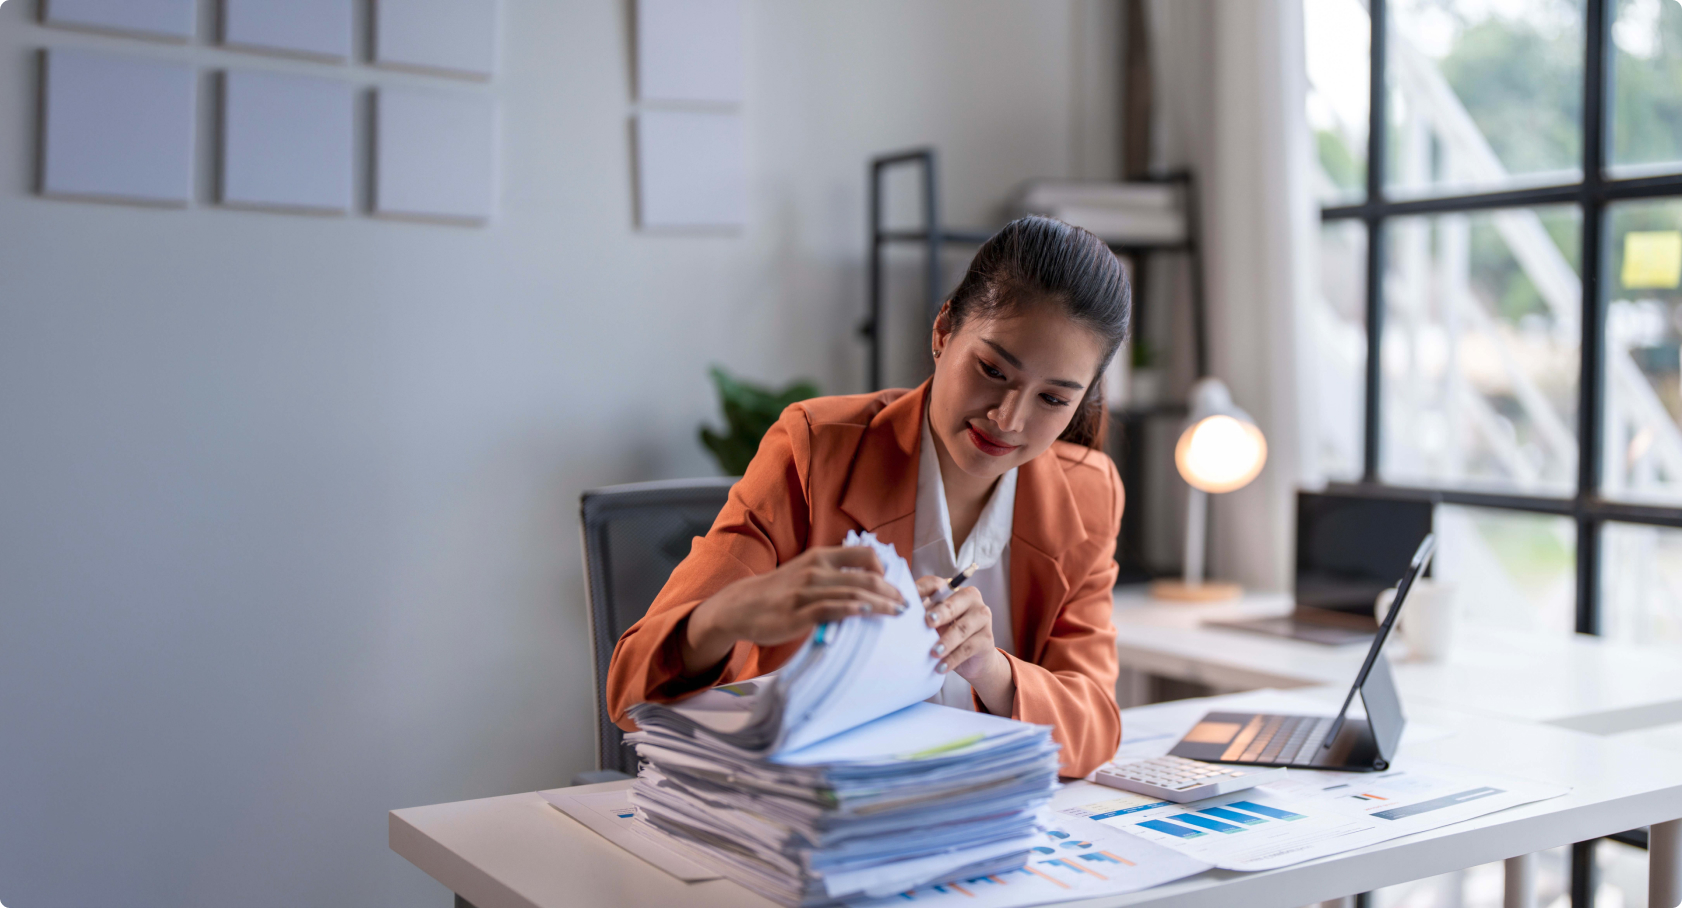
(942, 328)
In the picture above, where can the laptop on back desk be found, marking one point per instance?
(1319, 742)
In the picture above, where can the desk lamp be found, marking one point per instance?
(1220, 450)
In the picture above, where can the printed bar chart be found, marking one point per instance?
(1208, 823)
(1173, 829)
(1233, 815)
(1266, 811)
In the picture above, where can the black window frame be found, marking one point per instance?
(1587, 508)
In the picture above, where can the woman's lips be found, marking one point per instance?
(988, 445)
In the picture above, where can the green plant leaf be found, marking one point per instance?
(750, 411)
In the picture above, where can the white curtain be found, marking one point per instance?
(1230, 82)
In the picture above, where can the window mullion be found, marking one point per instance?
(1377, 142)
(1591, 384)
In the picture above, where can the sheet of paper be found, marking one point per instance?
(689, 50)
(1308, 814)
(691, 169)
(921, 729)
(451, 37)
(310, 28)
(1073, 859)
(287, 141)
(434, 154)
(609, 814)
(173, 19)
(890, 675)
(118, 127)
(889, 878)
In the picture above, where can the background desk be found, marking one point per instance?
(518, 852)
(1573, 680)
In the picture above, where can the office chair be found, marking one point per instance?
(633, 536)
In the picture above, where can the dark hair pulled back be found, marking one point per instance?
(1042, 261)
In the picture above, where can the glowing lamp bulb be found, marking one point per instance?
(1220, 454)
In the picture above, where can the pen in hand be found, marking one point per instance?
(962, 577)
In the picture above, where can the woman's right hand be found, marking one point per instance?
(819, 585)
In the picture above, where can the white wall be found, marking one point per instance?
(288, 504)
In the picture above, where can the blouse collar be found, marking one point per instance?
(987, 540)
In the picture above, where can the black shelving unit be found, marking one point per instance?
(1127, 425)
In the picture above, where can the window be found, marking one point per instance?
(1338, 323)
(1498, 323)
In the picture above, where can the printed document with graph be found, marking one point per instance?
(1308, 814)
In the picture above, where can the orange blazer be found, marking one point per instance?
(834, 464)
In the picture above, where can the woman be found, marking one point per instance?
(993, 460)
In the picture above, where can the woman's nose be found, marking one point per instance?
(1008, 414)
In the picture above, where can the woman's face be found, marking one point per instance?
(1006, 387)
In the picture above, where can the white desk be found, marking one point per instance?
(1573, 680)
(518, 852)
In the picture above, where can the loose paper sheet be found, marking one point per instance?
(610, 815)
(1301, 818)
(1073, 858)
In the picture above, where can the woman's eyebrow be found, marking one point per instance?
(1008, 357)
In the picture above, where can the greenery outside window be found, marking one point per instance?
(1501, 288)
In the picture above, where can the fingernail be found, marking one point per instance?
(941, 668)
(939, 649)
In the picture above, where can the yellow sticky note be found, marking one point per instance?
(1652, 259)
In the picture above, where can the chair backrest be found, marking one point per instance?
(633, 536)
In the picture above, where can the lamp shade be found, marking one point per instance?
(1221, 449)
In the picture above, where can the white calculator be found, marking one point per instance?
(1179, 780)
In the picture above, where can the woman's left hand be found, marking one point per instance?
(966, 646)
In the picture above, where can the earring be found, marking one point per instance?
(937, 354)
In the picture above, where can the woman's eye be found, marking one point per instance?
(1054, 400)
(991, 372)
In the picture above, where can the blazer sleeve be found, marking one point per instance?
(1072, 687)
(765, 522)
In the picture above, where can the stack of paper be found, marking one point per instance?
(830, 780)
(1121, 213)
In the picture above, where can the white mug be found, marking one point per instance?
(1431, 622)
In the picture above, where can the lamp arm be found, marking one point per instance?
(1197, 519)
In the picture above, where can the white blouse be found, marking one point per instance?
(988, 545)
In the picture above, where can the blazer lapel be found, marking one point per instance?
(881, 493)
(1046, 524)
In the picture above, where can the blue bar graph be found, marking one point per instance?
(1207, 823)
(1233, 815)
(1265, 810)
(1173, 829)
(1116, 813)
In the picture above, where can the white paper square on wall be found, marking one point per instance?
(691, 170)
(118, 128)
(287, 141)
(689, 50)
(175, 20)
(313, 28)
(452, 37)
(434, 155)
